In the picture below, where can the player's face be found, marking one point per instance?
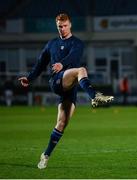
(64, 28)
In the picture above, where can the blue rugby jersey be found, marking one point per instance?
(68, 52)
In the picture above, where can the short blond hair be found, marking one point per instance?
(63, 17)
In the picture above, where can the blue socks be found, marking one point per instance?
(85, 84)
(54, 138)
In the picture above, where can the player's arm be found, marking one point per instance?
(40, 65)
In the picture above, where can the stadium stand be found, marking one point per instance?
(44, 8)
(108, 28)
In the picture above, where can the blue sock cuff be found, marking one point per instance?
(57, 131)
(56, 134)
(84, 78)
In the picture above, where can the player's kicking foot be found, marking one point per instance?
(43, 161)
(101, 99)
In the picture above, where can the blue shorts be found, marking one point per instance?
(57, 88)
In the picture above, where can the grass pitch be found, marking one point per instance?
(98, 143)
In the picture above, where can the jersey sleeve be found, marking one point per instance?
(41, 64)
(74, 56)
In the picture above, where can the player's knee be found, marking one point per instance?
(82, 69)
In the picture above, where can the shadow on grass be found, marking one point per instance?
(19, 165)
(49, 167)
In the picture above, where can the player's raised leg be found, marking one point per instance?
(79, 75)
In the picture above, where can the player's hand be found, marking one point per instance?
(57, 67)
(24, 81)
